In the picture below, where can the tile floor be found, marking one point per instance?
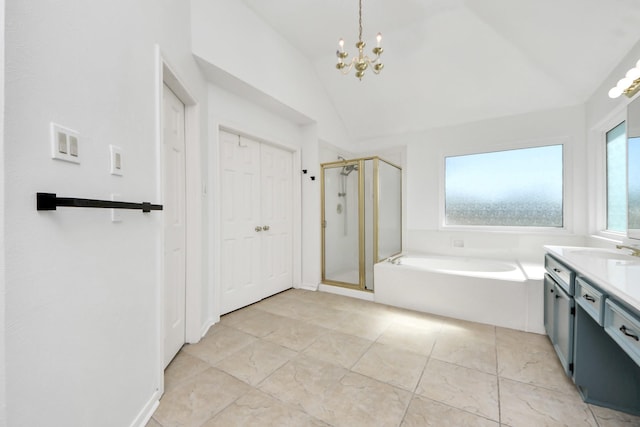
(304, 358)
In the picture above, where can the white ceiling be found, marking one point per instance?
(455, 61)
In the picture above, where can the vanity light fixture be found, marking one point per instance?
(629, 84)
(362, 61)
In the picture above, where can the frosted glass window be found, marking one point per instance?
(617, 179)
(513, 188)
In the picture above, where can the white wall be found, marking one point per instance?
(82, 293)
(423, 171)
(602, 114)
(229, 36)
(3, 378)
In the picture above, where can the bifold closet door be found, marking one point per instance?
(257, 212)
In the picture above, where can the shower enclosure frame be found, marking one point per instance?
(358, 164)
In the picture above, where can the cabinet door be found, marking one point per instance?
(549, 304)
(563, 331)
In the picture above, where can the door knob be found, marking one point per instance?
(258, 228)
(265, 228)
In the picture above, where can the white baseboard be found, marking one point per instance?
(147, 411)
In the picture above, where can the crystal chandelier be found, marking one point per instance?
(362, 61)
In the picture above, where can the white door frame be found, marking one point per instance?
(193, 197)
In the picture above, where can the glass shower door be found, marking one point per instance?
(340, 224)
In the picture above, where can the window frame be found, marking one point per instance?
(566, 186)
(598, 148)
(605, 177)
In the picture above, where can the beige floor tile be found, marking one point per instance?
(466, 329)
(425, 412)
(338, 348)
(361, 401)
(259, 409)
(256, 361)
(262, 323)
(609, 418)
(392, 365)
(241, 315)
(153, 423)
(219, 343)
(182, 368)
(468, 351)
(327, 317)
(467, 389)
(530, 406)
(363, 325)
(412, 338)
(296, 335)
(281, 306)
(415, 319)
(304, 382)
(530, 358)
(197, 400)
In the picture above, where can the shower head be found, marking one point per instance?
(346, 170)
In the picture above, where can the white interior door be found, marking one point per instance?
(240, 211)
(276, 214)
(174, 224)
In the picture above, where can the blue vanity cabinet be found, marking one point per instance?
(604, 374)
(559, 310)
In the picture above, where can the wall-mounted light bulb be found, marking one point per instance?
(633, 73)
(624, 83)
(615, 92)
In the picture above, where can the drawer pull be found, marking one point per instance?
(557, 270)
(623, 329)
(589, 298)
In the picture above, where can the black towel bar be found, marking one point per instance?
(49, 202)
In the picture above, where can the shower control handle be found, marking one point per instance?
(265, 228)
(258, 228)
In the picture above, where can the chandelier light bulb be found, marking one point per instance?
(379, 39)
(341, 45)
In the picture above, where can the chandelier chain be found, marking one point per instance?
(360, 21)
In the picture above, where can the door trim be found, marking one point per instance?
(165, 74)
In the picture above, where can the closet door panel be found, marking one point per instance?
(276, 211)
(240, 212)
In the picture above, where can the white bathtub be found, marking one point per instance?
(481, 290)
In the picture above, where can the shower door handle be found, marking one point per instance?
(265, 228)
(258, 228)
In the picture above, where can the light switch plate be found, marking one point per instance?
(65, 144)
(116, 160)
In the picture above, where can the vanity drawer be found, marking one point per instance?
(563, 275)
(590, 299)
(624, 328)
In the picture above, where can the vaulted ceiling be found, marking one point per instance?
(455, 61)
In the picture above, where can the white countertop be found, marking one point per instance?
(614, 271)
